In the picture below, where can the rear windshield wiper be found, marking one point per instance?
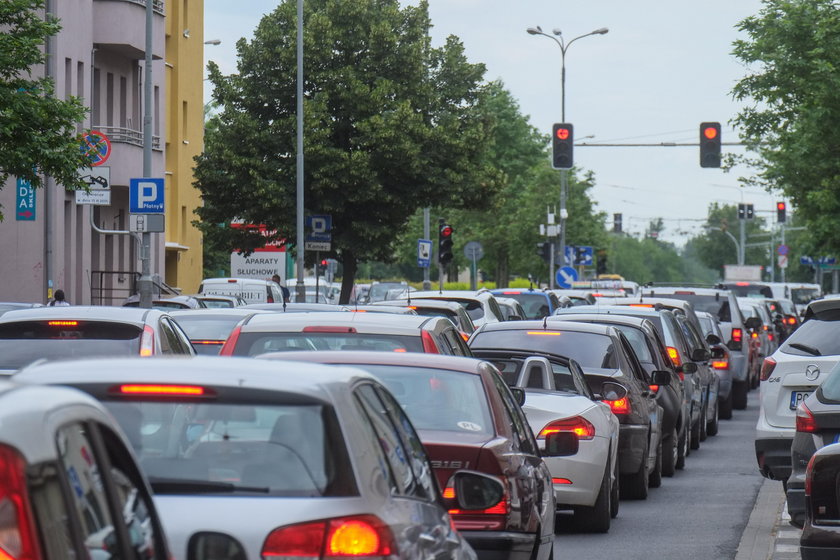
(178, 485)
(805, 348)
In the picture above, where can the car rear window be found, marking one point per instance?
(238, 448)
(822, 336)
(511, 368)
(436, 399)
(590, 350)
(829, 391)
(254, 344)
(208, 327)
(802, 296)
(23, 342)
(217, 303)
(714, 305)
(534, 304)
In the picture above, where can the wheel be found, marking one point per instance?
(655, 477)
(712, 425)
(635, 486)
(694, 442)
(615, 491)
(725, 407)
(670, 454)
(596, 518)
(682, 450)
(755, 378)
(703, 421)
(739, 394)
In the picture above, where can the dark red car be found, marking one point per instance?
(468, 418)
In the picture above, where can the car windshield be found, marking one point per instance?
(590, 350)
(256, 343)
(802, 296)
(379, 292)
(814, 335)
(24, 342)
(437, 399)
(265, 449)
(535, 304)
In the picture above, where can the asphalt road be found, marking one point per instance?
(698, 514)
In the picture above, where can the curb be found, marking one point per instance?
(759, 537)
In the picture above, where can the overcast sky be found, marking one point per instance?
(663, 68)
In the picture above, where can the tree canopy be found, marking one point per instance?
(392, 124)
(37, 130)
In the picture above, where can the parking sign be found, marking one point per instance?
(145, 195)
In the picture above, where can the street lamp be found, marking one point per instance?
(738, 252)
(213, 42)
(557, 37)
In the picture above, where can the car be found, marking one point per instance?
(12, 305)
(302, 307)
(481, 305)
(575, 297)
(453, 311)
(467, 417)
(536, 303)
(251, 290)
(817, 423)
(820, 538)
(652, 354)
(55, 333)
(259, 334)
(208, 329)
(396, 309)
(71, 484)
(604, 354)
(762, 329)
(167, 303)
(511, 309)
(788, 377)
(264, 459)
(378, 291)
(721, 362)
(219, 301)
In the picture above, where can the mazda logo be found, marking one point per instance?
(812, 372)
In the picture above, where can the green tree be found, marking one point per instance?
(793, 96)
(37, 131)
(391, 125)
(714, 248)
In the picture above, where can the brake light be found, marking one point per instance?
(217, 342)
(742, 283)
(791, 320)
(561, 481)
(737, 335)
(770, 336)
(329, 329)
(147, 342)
(754, 335)
(805, 421)
(17, 528)
(580, 426)
(63, 323)
(230, 343)
(169, 390)
(674, 355)
(465, 336)
(619, 406)
(654, 388)
(358, 536)
(720, 364)
(767, 368)
(501, 508)
(510, 293)
(269, 299)
(543, 333)
(359, 310)
(641, 305)
(429, 346)
(766, 328)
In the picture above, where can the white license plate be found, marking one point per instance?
(797, 397)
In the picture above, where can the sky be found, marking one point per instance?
(663, 68)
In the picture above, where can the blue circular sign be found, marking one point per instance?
(566, 275)
(782, 250)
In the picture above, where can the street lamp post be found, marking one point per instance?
(739, 250)
(557, 37)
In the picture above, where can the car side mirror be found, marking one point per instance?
(612, 391)
(713, 339)
(519, 395)
(661, 377)
(561, 444)
(474, 491)
(700, 355)
(689, 367)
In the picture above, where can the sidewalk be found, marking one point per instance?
(768, 535)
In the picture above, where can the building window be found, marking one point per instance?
(95, 109)
(68, 78)
(123, 102)
(184, 128)
(157, 111)
(109, 100)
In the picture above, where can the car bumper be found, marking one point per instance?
(819, 552)
(796, 502)
(773, 456)
(500, 545)
(725, 388)
(584, 470)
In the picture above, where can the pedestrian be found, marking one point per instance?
(287, 296)
(59, 299)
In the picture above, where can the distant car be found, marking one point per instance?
(219, 301)
(167, 303)
(453, 311)
(467, 417)
(257, 459)
(208, 329)
(820, 539)
(481, 305)
(382, 332)
(721, 361)
(70, 480)
(537, 304)
(378, 291)
(56, 333)
(249, 289)
(12, 306)
(511, 308)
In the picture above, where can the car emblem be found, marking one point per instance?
(812, 372)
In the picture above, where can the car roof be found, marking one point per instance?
(610, 318)
(215, 312)
(207, 370)
(548, 326)
(373, 321)
(407, 359)
(296, 307)
(700, 291)
(134, 315)
(459, 294)
(421, 302)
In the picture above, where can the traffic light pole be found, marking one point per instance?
(427, 284)
(741, 248)
(782, 269)
(551, 267)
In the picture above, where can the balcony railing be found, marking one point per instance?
(157, 5)
(127, 136)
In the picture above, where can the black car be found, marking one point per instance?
(652, 355)
(820, 538)
(604, 354)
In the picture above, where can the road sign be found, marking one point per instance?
(25, 209)
(566, 276)
(570, 255)
(97, 146)
(424, 253)
(807, 261)
(827, 260)
(98, 180)
(145, 195)
(583, 256)
(782, 260)
(152, 223)
(473, 251)
(782, 250)
(319, 236)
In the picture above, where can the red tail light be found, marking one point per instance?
(169, 390)
(620, 406)
(737, 335)
(582, 427)
(501, 508)
(654, 388)
(230, 343)
(767, 368)
(269, 299)
(805, 421)
(17, 529)
(464, 335)
(791, 320)
(674, 355)
(770, 336)
(358, 536)
(560, 481)
(720, 364)
(754, 335)
(429, 346)
(147, 342)
(63, 323)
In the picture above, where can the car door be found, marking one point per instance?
(642, 379)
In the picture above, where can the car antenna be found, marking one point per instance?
(409, 295)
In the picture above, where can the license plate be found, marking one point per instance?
(796, 397)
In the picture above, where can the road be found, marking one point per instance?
(699, 514)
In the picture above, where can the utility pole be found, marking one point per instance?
(427, 283)
(781, 269)
(145, 283)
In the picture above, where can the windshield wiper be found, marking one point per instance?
(805, 348)
(177, 485)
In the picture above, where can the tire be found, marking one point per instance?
(655, 477)
(596, 518)
(635, 486)
(670, 454)
(712, 426)
(755, 380)
(725, 406)
(682, 450)
(694, 440)
(615, 492)
(739, 394)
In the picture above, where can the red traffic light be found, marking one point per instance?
(446, 231)
(710, 132)
(781, 206)
(562, 133)
(323, 262)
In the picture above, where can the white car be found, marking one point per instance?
(787, 377)
(558, 399)
(481, 305)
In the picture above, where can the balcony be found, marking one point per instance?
(120, 26)
(127, 136)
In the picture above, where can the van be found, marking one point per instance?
(249, 289)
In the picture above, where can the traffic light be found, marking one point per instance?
(544, 251)
(781, 212)
(750, 212)
(321, 267)
(444, 243)
(710, 144)
(617, 223)
(746, 212)
(562, 146)
(601, 266)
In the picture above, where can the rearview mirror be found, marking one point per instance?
(689, 367)
(561, 444)
(519, 395)
(474, 491)
(661, 377)
(713, 339)
(700, 355)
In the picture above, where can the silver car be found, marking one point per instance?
(267, 459)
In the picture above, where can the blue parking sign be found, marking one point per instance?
(145, 195)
